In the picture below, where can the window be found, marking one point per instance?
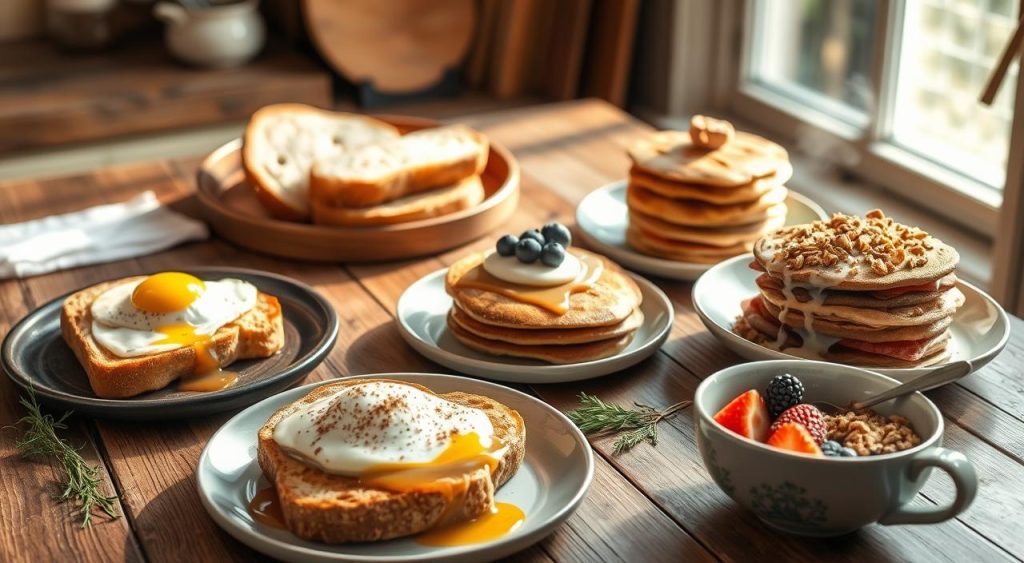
(897, 82)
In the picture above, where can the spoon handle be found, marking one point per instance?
(936, 378)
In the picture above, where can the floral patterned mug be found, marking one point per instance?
(822, 496)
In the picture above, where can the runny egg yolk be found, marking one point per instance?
(167, 292)
(463, 456)
(206, 366)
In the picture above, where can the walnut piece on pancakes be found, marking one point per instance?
(710, 133)
(875, 242)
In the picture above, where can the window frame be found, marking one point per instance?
(967, 202)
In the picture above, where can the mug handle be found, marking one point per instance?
(956, 466)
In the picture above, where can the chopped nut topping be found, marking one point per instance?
(710, 133)
(880, 244)
(869, 433)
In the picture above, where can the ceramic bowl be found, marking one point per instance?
(821, 496)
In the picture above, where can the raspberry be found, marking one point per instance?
(809, 416)
(783, 392)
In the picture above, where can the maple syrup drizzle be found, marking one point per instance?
(554, 298)
(265, 508)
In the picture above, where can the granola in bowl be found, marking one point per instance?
(869, 433)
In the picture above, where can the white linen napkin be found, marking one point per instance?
(104, 233)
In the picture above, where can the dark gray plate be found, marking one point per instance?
(34, 354)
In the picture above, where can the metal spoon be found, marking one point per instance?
(935, 378)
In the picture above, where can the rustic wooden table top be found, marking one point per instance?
(652, 504)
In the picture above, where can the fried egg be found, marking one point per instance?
(390, 434)
(166, 311)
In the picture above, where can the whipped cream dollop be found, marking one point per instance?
(377, 423)
(508, 268)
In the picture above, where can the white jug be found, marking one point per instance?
(224, 35)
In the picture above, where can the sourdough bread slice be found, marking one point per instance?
(381, 172)
(258, 333)
(332, 508)
(424, 205)
(282, 142)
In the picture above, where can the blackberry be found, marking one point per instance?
(783, 392)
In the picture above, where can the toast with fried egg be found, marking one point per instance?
(334, 508)
(257, 333)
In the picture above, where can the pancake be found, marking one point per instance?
(912, 315)
(434, 203)
(743, 159)
(845, 329)
(711, 194)
(613, 298)
(772, 288)
(698, 213)
(719, 237)
(544, 336)
(855, 254)
(755, 328)
(653, 245)
(567, 354)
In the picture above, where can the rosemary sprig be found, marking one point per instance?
(639, 424)
(81, 482)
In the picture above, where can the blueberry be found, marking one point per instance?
(533, 234)
(553, 254)
(528, 250)
(831, 448)
(847, 452)
(507, 245)
(557, 232)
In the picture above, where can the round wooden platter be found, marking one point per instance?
(232, 211)
(395, 46)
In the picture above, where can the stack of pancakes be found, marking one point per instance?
(862, 291)
(701, 200)
(599, 322)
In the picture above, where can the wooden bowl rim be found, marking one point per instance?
(211, 201)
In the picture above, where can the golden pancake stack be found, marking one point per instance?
(705, 195)
(862, 291)
(598, 319)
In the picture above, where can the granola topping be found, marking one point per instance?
(846, 242)
(869, 433)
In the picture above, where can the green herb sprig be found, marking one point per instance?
(82, 482)
(639, 424)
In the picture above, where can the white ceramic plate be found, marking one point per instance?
(602, 218)
(422, 319)
(556, 472)
(980, 328)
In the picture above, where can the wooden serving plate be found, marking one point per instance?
(232, 211)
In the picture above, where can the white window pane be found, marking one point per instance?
(947, 50)
(816, 49)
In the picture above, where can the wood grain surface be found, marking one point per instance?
(652, 504)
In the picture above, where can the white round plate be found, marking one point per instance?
(602, 218)
(555, 474)
(422, 315)
(979, 331)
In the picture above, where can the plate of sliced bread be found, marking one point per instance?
(395, 467)
(319, 185)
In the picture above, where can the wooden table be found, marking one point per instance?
(652, 504)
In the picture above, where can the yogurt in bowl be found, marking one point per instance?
(816, 495)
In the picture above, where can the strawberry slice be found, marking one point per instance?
(794, 437)
(946, 282)
(746, 415)
(909, 350)
(755, 265)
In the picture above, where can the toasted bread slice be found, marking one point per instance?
(442, 201)
(332, 508)
(382, 172)
(283, 140)
(258, 333)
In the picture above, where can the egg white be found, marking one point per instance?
(408, 437)
(127, 332)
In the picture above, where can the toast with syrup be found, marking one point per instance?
(331, 508)
(257, 333)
